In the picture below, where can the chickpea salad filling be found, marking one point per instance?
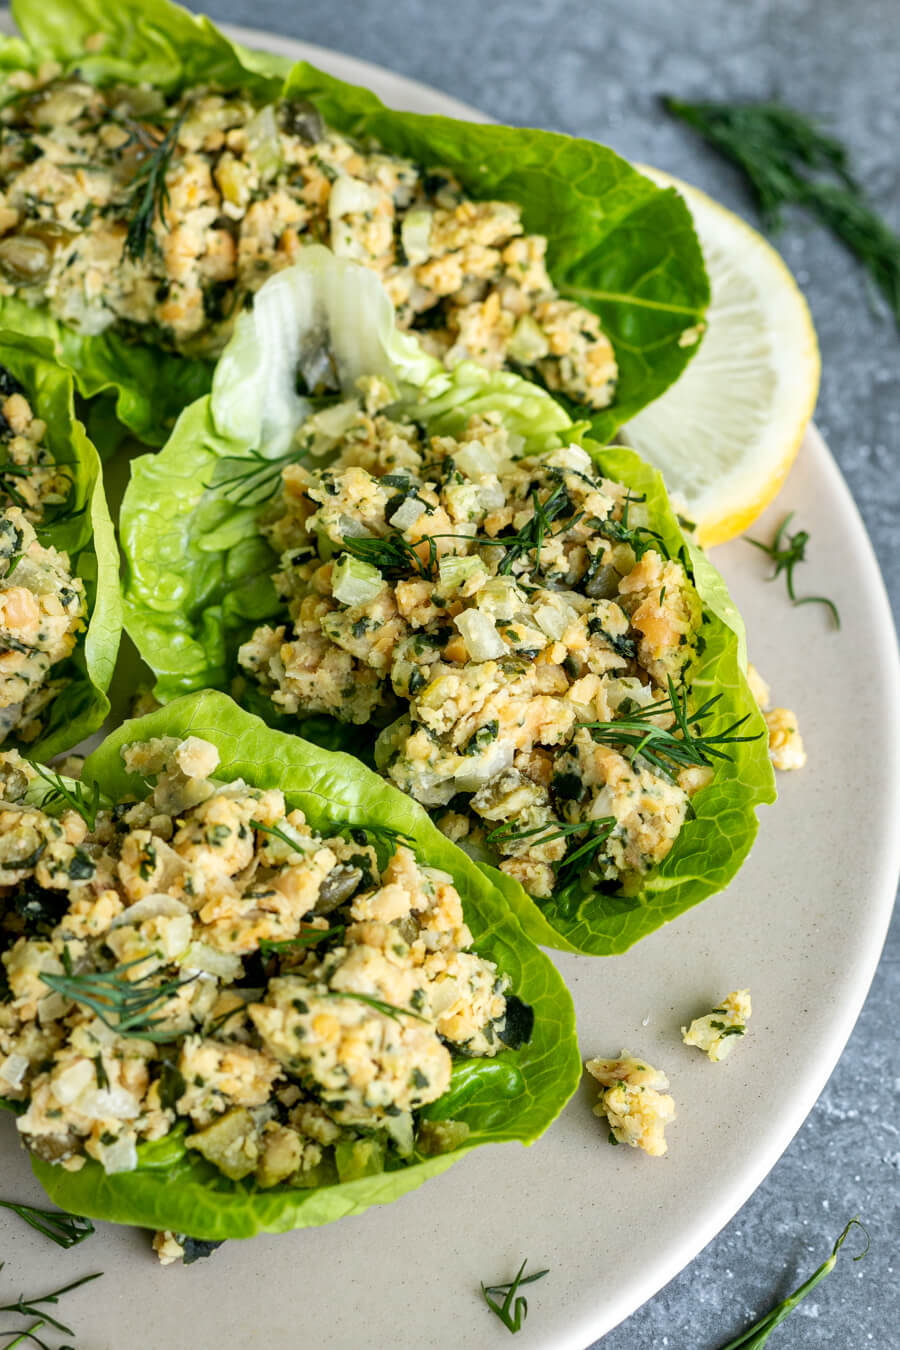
(204, 957)
(43, 607)
(58, 559)
(516, 612)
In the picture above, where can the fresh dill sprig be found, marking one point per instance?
(755, 1337)
(148, 195)
(66, 1230)
(598, 832)
(71, 792)
(393, 556)
(309, 937)
(339, 827)
(382, 833)
(790, 161)
(389, 1009)
(28, 1307)
(786, 557)
(250, 480)
(667, 752)
(278, 833)
(125, 1006)
(514, 1308)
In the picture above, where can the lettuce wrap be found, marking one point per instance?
(513, 1096)
(77, 522)
(199, 572)
(617, 244)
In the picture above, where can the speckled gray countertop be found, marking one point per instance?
(595, 68)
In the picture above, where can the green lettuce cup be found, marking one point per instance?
(185, 1180)
(203, 545)
(135, 265)
(59, 589)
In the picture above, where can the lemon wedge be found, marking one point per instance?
(726, 433)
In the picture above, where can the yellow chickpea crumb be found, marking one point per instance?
(718, 1032)
(634, 1099)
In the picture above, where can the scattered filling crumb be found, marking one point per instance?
(717, 1033)
(246, 187)
(29, 478)
(785, 742)
(634, 1099)
(43, 609)
(205, 956)
(499, 616)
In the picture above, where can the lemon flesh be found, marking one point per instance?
(726, 433)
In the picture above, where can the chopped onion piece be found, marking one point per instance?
(480, 635)
(354, 582)
(407, 514)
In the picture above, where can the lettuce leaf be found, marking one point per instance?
(84, 530)
(514, 1096)
(617, 243)
(198, 574)
(715, 841)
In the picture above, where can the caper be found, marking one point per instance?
(301, 118)
(337, 887)
(603, 584)
(47, 232)
(24, 259)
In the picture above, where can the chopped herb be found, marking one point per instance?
(598, 831)
(481, 738)
(514, 1308)
(666, 752)
(309, 937)
(131, 1002)
(389, 1009)
(279, 833)
(790, 161)
(393, 556)
(148, 194)
(755, 1337)
(623, 646)
(28, 1307)
(786, 557)
(72, 793)
(66, 1230)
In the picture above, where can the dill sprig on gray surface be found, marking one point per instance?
(790, 161)
(755, 1337)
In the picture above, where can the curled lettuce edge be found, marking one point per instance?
(514, 1096)
(89, 539)
(617, 243)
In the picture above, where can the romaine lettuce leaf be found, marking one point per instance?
(514, 1096)
(617, 243)
(198, 577)
(716, 839)
(83, 530)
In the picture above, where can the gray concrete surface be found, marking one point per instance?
(595, 68)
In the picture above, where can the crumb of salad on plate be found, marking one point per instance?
(786, 750)
(717, 1033)
(635, 1100)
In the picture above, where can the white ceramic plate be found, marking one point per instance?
(802, 927)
